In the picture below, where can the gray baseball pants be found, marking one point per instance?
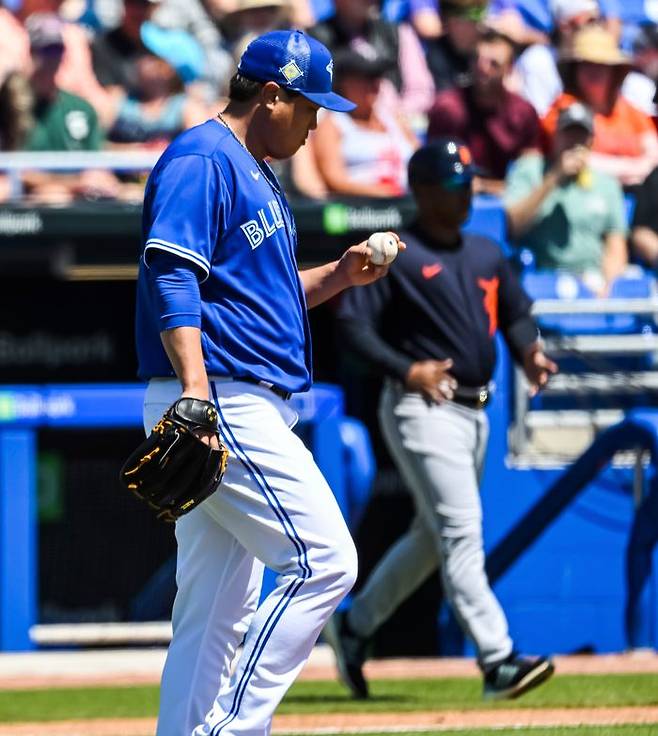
(439, 451)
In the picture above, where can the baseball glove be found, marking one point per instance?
(173, 470)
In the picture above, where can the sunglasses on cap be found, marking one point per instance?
(476, 14)
(456, 184)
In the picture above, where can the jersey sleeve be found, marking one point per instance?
(360, 315)
(516, 322)
(184, 211)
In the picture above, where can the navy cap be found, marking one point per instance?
(445, 161)
(297, 62)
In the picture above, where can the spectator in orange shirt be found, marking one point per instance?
(625, 140)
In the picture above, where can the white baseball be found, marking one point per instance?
(384, 248)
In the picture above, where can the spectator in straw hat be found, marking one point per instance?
(625, 143)
(536, 68)
(251, 18)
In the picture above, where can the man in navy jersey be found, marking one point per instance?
(429, 328)
(221, 316)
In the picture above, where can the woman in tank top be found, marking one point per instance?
(364, 153)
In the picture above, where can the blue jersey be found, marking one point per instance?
(208, 202)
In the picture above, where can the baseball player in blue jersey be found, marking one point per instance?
(221, 316)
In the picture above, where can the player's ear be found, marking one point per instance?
(270, 94)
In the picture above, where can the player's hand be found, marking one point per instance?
(538, 367)
(208, 438)
(432, 379)
(355, 268)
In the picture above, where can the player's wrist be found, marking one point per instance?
(341, 274)
(196, 391)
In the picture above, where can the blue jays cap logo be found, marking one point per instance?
(291, 71)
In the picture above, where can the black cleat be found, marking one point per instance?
(350, 651)
(515, 676)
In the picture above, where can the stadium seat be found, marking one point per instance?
(488, 218)
(557, 285)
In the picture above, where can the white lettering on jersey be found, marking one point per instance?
(269, 228)
(255, 175)
(276, 212)
(256, 233)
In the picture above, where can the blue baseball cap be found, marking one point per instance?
(297, 62)
(178, 48)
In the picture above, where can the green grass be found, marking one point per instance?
(567, 691)
(329, 697)
(646, 730)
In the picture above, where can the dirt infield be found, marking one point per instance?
(632, 663)
(355, 722)
(646, 662)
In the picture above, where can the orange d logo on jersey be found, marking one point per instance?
(490, 302)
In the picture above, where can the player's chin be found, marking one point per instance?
(287, 150)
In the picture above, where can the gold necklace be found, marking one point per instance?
(269, 175)
(232, 132)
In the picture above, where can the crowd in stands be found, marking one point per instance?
(556, 100)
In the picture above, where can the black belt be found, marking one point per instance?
(473, 398)
(281, 393)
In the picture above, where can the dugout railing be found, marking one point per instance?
(24, 410)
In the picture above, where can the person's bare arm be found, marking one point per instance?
(331, 165)
(645, 244)
(407, 132)
(427, 23)
(183, 348)
(615, 257)
(521, 214)
(54, 187)
(629, 170)
(352, 269)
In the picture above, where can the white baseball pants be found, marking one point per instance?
(439, 451)
(273, 507)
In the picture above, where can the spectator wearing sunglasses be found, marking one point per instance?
(536, 67)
